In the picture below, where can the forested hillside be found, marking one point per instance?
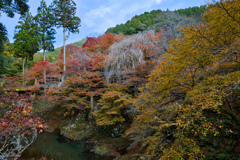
(150, 20)
(170, 91)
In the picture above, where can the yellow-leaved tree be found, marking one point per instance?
(114, 104)
(189, 98)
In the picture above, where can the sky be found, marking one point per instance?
(99, 15)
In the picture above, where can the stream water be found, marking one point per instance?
(50, 146)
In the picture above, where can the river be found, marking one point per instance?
(52, 147)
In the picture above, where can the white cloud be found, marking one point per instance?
(158, 1)
(100, 12)
(109, 13)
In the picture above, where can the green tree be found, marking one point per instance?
(3, 37)
(64, 12)
(110, 30)
(9, 7)
(45, 20)
(142, 27)
(26, 39)
(135, 22)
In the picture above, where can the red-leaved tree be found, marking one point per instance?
(91, 42)
(76, 59)
(18, 123)
(36, 71)
(98, 49)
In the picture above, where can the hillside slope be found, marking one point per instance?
(148, 20)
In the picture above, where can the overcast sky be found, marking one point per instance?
(98, 15)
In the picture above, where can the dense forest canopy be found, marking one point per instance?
(164, 85)
(147, 21)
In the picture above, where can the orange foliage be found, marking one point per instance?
(98, 49)
(37, 70)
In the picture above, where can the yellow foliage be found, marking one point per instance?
(113, 104)
(188, 82)
(183, 148)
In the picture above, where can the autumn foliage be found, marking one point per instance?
(36, 71)
(176, 98)
(91, 42)
(19, 123)
(113, 106)
(185, 94)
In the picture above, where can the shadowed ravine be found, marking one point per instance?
(48, 145)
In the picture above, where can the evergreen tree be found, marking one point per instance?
(9, 7)
(26, 39)
(64, 11)
(45, 20)
(3, 37)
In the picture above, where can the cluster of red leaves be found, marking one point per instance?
(38, 70)
(96, 61)
(91, 83)
(17, 114)
(106, 41)
(19, 118)
(101, 43)
(91, 56)
(91, 42)
(76, 59)
(97, 49)
(69, 51)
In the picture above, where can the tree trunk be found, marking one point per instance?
(90, 115)
(44, 72)
(64, 53)
(92, 105)
(26, 64)
(23, 71)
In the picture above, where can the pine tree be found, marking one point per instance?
(64, 12)
(45, 20)
(26, 39)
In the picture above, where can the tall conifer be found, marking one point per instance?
(64, 11)
(26, 39)
(45, 21)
